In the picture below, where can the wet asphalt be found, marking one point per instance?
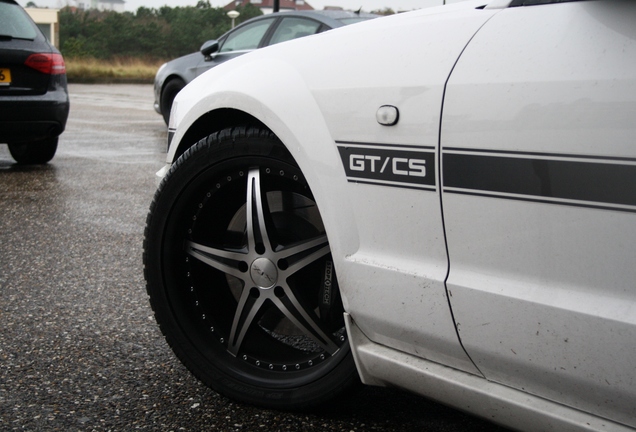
(79, 347)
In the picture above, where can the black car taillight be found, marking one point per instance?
(51, 64)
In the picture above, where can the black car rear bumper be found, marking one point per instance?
(33, 118)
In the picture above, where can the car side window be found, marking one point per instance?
(294, 28)
(247, 37)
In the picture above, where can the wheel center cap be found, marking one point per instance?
(264, 273)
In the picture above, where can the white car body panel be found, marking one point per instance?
(548, 344)
(420, 324)
(561, 329)
(403, 269)
(379, 365)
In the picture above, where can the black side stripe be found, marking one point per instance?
(572, 180)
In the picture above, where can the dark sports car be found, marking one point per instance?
(250, 35)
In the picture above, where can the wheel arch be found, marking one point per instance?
(302, 129)
(311, 147)
(215, 121)
(173, 76)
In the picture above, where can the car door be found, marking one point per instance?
(238, 42)
(394, 266)
(539, 200)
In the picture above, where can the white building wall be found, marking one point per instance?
(47, 20)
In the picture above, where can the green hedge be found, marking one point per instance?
(149, 34)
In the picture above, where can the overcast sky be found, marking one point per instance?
(367, 5)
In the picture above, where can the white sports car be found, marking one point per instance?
(442, 200)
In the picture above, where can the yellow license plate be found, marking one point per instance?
(5, 77)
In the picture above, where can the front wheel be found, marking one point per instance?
(38, 152)
(240, 274)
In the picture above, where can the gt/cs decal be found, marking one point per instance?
(399, 166)
(389, 165)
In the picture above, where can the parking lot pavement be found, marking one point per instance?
(79, 347)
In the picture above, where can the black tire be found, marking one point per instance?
(169, 92)
(38, 152)
(245, 290)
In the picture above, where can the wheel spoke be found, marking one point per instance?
(256, 210)
(302, 247)
(247, 308)
(217, 258)
(305, 321)
(295, 266)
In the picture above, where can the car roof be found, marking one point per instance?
(332, 18)
(334, 14)
(10, 1)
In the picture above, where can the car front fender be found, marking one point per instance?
(292, 114)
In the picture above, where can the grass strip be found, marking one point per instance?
(115, 71)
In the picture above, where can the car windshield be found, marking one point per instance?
(15, 23)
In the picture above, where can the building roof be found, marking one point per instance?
(269, 4)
